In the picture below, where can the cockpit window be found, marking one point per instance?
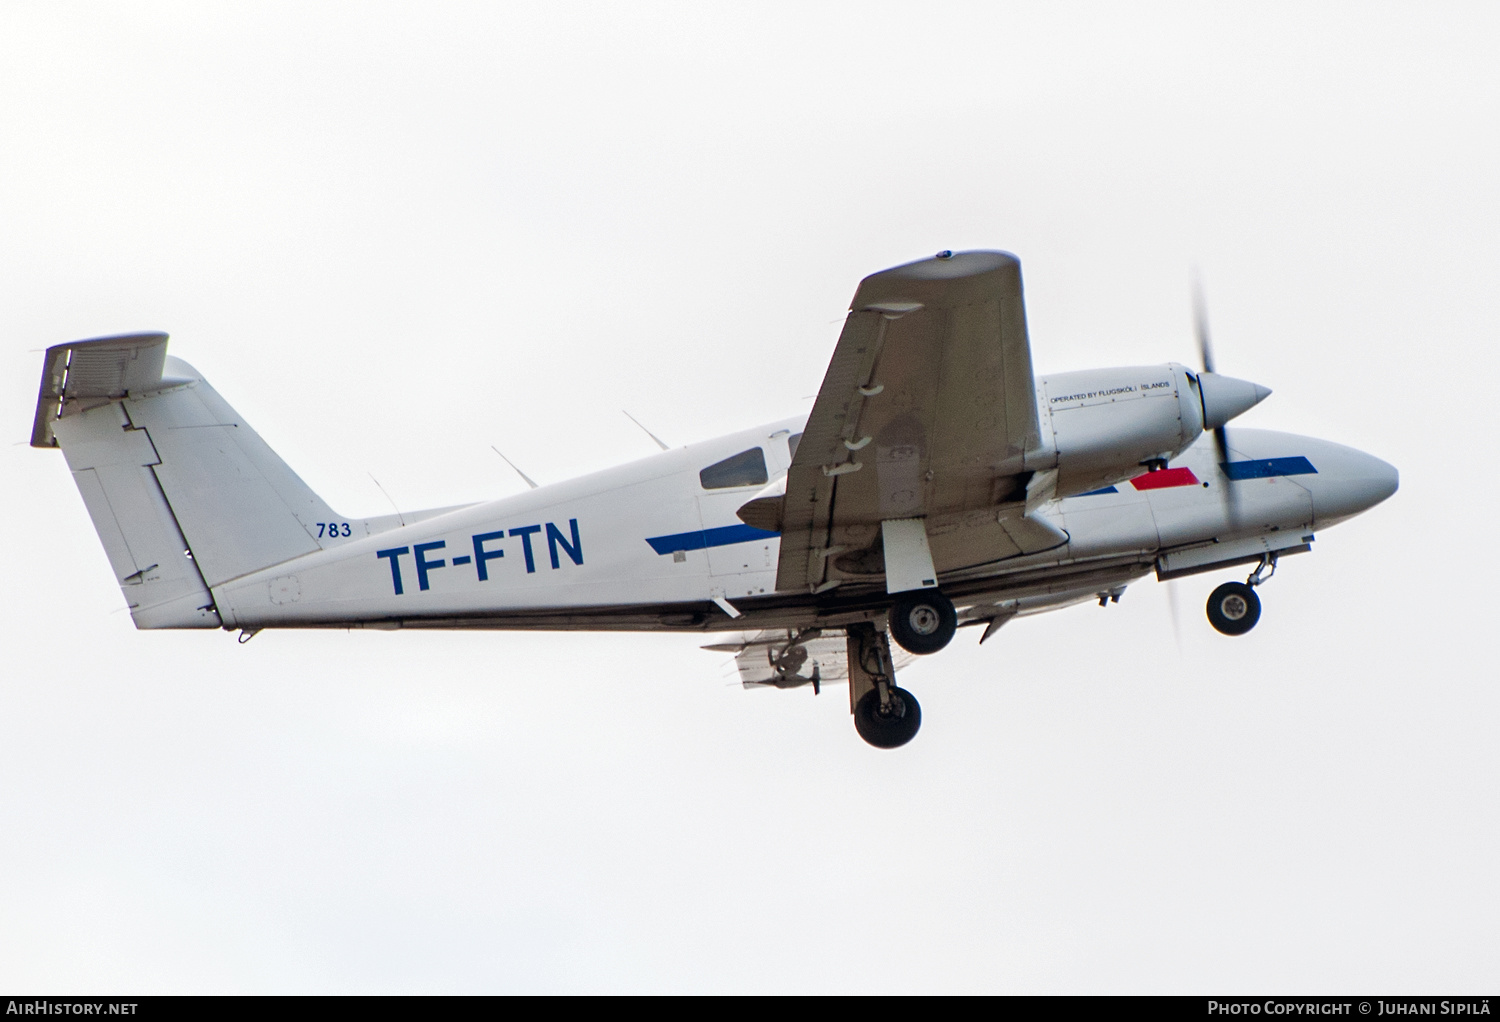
(747, 468)
(792, 442)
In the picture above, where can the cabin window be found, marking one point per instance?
(747, 468)
(792, 442)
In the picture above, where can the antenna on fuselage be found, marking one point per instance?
(529, 481)
(650, 434)
(387, 496)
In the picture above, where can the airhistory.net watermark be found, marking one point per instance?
(45, 1007)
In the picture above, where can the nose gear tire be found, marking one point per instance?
(892, 729)
(1233, 608)
(923, 621)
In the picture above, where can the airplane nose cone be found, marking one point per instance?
(1224, 397)
(1348, 482)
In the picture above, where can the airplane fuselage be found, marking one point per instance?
(647, 545)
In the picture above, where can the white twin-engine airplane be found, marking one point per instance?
(936, 484)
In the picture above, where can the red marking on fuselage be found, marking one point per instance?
(1165, 478)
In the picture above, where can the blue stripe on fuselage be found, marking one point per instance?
(704, 538)
(1264, 468)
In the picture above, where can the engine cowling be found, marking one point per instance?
(1105, 424)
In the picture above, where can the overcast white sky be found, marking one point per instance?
(394, 234)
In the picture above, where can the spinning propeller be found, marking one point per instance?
(1223, 398)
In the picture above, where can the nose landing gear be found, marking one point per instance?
(1234, 607)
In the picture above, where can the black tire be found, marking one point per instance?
(923, 621)
(892, 730)
(1233, 608)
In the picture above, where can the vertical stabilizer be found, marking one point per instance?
(183, 493)
(240, 505)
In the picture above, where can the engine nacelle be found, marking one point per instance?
(1106, 424)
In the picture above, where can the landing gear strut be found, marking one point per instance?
(923, 621)
(885, 716)
(1234, 607)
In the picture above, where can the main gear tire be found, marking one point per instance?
(923, 621)
(893, 728)
(1233, 608)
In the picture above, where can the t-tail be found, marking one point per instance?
(183, 493)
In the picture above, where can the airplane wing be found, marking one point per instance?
(928, 411)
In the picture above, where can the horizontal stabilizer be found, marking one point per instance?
(779, 658)
(104, 368)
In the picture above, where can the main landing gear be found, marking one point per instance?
(885, 716)
(923, 621)
(889, 726)
(1234, 607)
